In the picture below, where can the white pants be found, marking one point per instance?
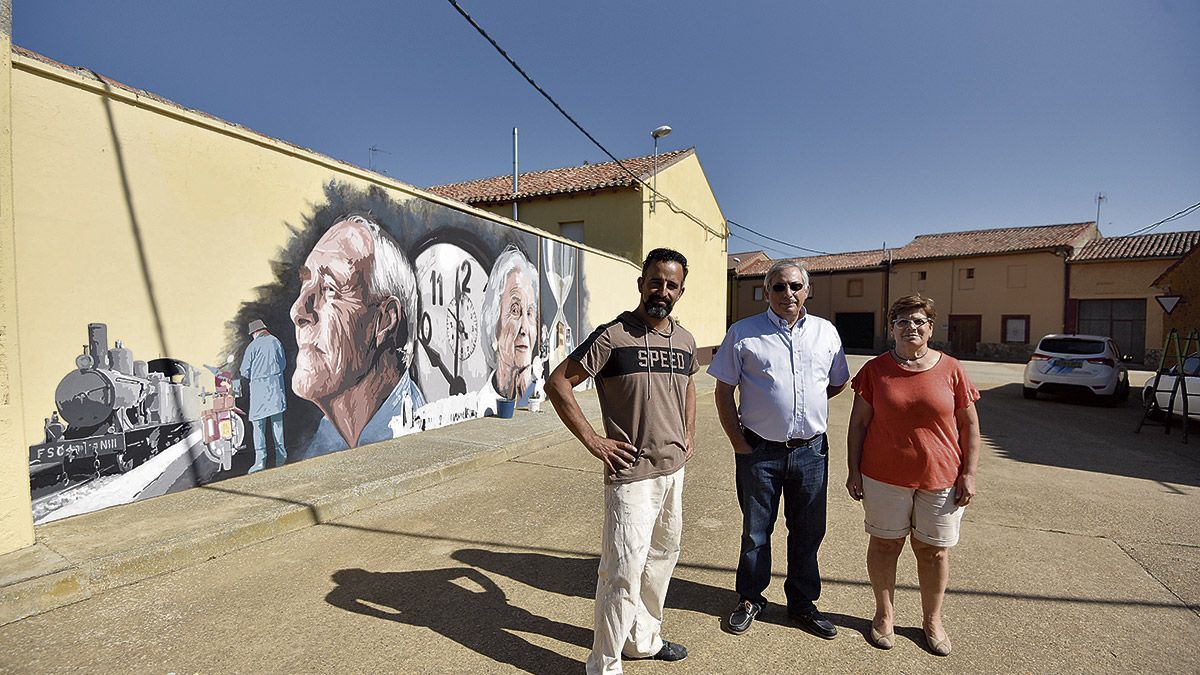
(642, 524)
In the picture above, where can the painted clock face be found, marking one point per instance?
(462, 326)
(448, 359)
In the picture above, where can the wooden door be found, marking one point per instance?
(964, 333)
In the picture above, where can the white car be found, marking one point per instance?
(1088, 365)
(1157, 402)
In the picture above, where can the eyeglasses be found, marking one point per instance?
(910, 323)
(780, 287)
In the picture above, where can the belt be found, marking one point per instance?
(791, 443)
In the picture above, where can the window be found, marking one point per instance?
(854, 288)
(758, 292)
(1014, 328)
(1016, 276)
(966, 279)
(917, 281)
(572, 230)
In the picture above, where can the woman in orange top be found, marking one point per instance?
(913, 450)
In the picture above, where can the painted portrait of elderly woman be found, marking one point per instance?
(508, 328)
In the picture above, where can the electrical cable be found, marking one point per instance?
(785, 254)
(777, 241)
(1174, 216)
(579, 126)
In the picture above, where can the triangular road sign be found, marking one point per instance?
(1168, 302)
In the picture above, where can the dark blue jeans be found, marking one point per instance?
(800, 476)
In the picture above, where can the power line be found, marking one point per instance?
(579, 126)
(1174, 216)
(760, 245)
(777, 241)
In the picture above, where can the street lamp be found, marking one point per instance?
(656, 134)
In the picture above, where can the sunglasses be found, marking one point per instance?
(910, 323)
(780, 287)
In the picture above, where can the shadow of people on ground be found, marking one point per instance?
(576, 577)
(462, 604)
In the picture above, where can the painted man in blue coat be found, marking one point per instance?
(262, 365)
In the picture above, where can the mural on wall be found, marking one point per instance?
(560, 302)
(386, 318)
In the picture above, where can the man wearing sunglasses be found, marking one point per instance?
(787, 364)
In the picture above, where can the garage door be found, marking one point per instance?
(857, 329)
(1122, 320)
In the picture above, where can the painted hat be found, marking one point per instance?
(256, 325)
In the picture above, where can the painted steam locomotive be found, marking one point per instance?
(116, 412)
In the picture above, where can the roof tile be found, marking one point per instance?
(739, 261)
(833, 262)
(1159, 245)
(1001, 240)
(558, 181)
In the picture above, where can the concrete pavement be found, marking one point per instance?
(1081, 554)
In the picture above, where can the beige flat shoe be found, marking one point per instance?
(882, 641)
(938, 647)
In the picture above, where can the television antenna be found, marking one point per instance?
(371, 152)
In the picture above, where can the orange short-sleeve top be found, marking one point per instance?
(912, 439)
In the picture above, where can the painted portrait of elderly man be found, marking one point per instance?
(508, 324)
(355, 327)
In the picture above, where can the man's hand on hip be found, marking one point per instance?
(615, 454)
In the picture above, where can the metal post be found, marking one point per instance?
(514, 173)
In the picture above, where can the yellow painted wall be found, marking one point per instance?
(702, 309)
(1041, 296)
(16, 522)
(1122, 280)
(97, 170)
(1183, 280)
(620, 221)
(610, 217)
(613, 289)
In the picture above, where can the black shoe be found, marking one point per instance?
(814, 622)
(671, 651)
(742, 617)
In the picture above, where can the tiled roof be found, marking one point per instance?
(833, 262)
(740, 260)
(558, 181)
(985, 242)
(1161, 281)
(1164, 245)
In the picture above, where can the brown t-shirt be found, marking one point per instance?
(642, 376)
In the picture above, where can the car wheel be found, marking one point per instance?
(1122, 392)
(1029, 392)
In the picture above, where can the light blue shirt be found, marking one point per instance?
(263, 364)
(783, 373)
(404, 399)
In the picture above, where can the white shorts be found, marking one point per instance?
(893, 512)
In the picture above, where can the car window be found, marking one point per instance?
(1115, 348)
(1071, 346)
(1191, 365)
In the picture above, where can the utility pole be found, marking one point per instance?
(1099, 200)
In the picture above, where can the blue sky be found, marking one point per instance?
(836, 126)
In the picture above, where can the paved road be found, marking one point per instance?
(1081, 554)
